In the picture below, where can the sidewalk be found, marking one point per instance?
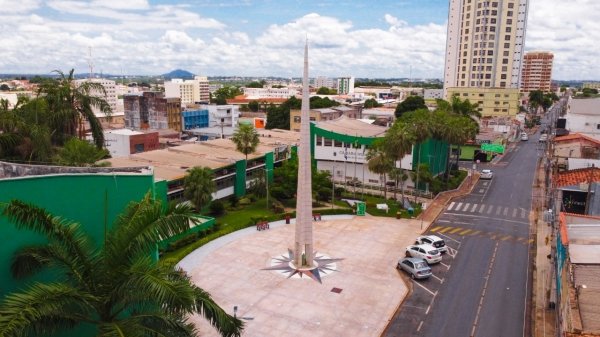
(439, 203)
(544, 318)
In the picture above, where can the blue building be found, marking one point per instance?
(193, 119)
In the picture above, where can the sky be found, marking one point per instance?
(256, 38)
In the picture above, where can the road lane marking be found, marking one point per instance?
(498, 210)
(437, 278)
(464, 232)
(455, 230)
(420, 325)
(451, 205)
(485, 285)
(523, 213)
(443, 221)
(490, 209)
(505, 213)
(493, 236)
(476, 233)
(506, 238)
(422, 286)
(449, 238)
(466, 208)
(445, 265)
(485, 183)
(481, 190)
(486, 217)
(473, 208)
(445, 230)
(435, 229)
(458, 206)
(481, 208)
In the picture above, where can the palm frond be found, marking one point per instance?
(42, 303)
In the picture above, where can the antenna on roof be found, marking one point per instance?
(90, 62)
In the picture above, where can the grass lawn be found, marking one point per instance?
(393, 206)
(242, 215)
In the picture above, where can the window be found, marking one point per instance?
(490, 52)
(506, 37)
(504, 61)
(319, 140)
(511, 5)
(509, 21)
(505, 53)
(296, 119)
(507, 45)
(509, 13)
(337, 143)
(508, 29)
(502, 84)
(503, 76)
(327, 142)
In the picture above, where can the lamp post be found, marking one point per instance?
(333, 185)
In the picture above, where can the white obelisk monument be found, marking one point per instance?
(303, 248)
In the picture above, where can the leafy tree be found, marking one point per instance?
(326, 91)
(4, 87)
(221, 95)
(411, 103)
(216, 208)
(372, 103)
(246, 139)
(379, 162)
(198, 186)
(70, 105)
(115, 286)
(256, 84)
(253, 106)
(317, 102)
(77, 152)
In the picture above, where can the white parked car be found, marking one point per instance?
(524, 136)
(543, 137)
(486, 174)
(437, 242)
(426, 252)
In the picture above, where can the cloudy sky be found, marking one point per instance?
(376, 38)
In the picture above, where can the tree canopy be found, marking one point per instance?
(411, 103)
(114, 286)
(246, 139)
(198, 186)
(221, 95)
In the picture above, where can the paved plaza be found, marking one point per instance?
(370, 289)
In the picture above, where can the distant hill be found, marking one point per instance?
(179, 73)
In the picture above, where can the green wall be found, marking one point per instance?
(239, 188)
(92, 200)
(432, 152)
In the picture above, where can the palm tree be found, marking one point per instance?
(198, 186)
(116, 286)
(77, 152)
(70, 105)
(379, 162)
(419, 124)
(246, 139)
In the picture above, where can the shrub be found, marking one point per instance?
(245, 201)
(234, 200)
(277, 206)
(217, 208)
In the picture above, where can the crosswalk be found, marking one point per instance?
(461, 231)
(489, 210)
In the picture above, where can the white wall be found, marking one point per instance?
(351, 155)
(117, 144)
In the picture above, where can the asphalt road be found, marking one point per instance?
(482, 287)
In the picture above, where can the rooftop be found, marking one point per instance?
(352, 127)
(585, 106)
(578, 176)
(576, 136)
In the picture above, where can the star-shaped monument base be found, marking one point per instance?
(323, 266)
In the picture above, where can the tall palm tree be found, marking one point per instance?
(246, 139)
(70, 105)
(379, 162)
(198, 186)
(115, 286)
(419, 124)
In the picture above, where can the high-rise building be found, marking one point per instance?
(151, 110)
(537, 71)
(109, 94)
(324, 81)
(190, 91)
(345, 85)
(485, 43)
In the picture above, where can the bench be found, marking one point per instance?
(262, 225)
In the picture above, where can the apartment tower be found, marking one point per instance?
(484, 47)
(537, 71)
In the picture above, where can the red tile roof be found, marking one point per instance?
(578, 176)
(576, 136)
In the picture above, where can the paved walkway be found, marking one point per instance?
(371, 289)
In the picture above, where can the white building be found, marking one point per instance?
(485, 43)
(345, 85)
(190, 91)
(324, 81)
(11, 97)
(433, 94)
(123, 142)
(583, 116)
(109, 87)
(258, 93)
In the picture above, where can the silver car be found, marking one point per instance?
(417, 268)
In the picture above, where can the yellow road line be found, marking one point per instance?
(445, 230)
(435, 229)
(464, 232)
(493, 237)
(455, 230)
(476, 233)
(506, 237)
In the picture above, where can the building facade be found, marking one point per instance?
(492, 102)
(190, 91)
(537, 71)
(485, 43)
(110, 94)
(123, 142)
(151, 110)
(324, 81)
(259, 93)
(345, 85)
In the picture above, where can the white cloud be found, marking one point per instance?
(142, 38)
(22, 6)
